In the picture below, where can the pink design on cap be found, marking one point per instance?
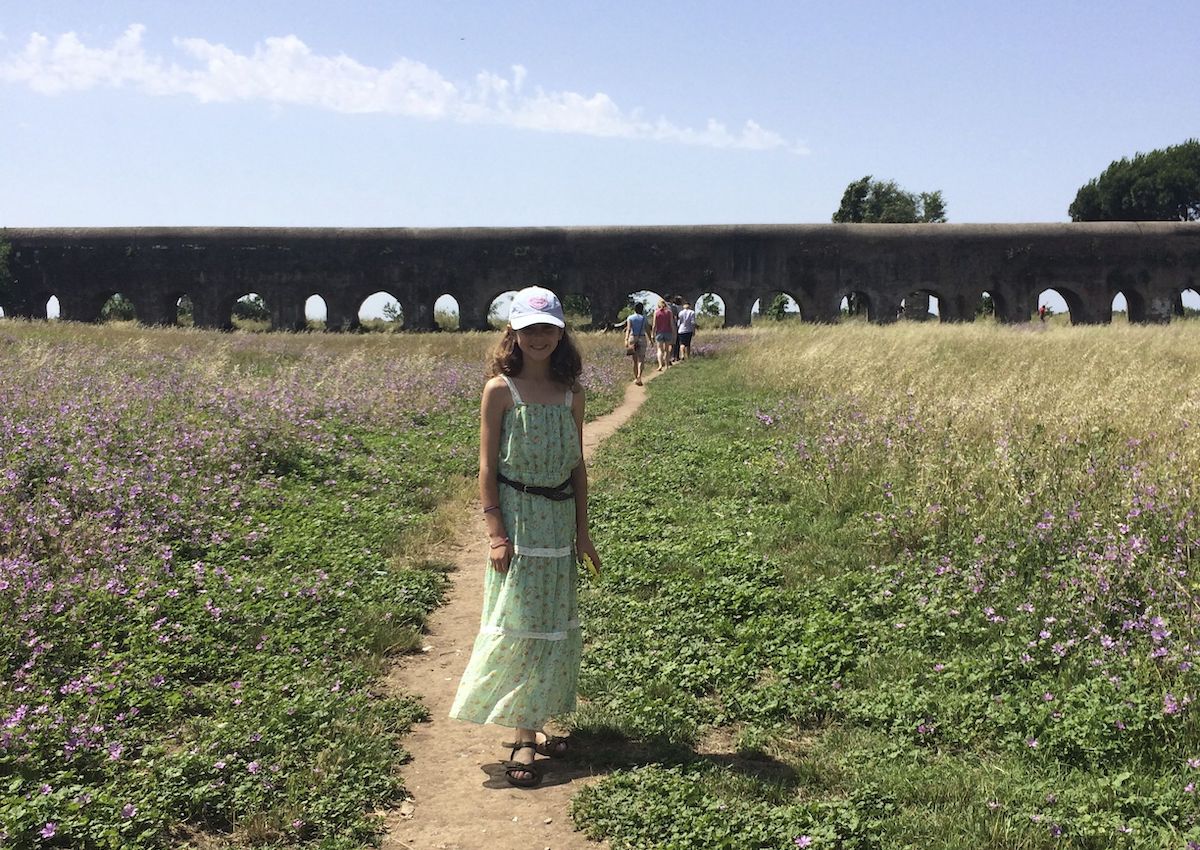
(538, 302)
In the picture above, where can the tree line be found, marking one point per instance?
(1162, 185)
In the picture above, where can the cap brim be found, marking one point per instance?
(536, 319)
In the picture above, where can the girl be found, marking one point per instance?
(664, 333)
(533, 485)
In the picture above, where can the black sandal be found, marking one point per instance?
(554, 747)
(513, 768)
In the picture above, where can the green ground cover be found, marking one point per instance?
(209, 546)
(901, 587)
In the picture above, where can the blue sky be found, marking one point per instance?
(413, 114)
(531, 113)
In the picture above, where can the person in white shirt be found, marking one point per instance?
(687, 329)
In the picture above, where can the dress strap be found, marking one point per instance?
(512, 388)
(567, 400)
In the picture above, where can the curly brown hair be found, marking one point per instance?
(566, 364)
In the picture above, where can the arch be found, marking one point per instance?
(775, 304)
(1128, 303)
(381, 311)
(710, 310)
(1061, 300)
(316, 312)
(446, 313)
(920, 305)
(1188, 306)
(185, 311)
(856, 304)
(249, 312)
(498, 307)
(988, 307)
(648, 297)
(3, 315)
(53, 308)
(118, 307)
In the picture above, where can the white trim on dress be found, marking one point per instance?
(572, 625)
(538, 552)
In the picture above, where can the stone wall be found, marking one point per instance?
(892, 269)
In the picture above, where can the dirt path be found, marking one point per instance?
(461, 800)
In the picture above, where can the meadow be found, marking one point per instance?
(210, 546)
(913, 586)
(865, 587)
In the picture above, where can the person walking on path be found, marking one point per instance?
(524, 667)
(637, 335)
(687, 329)
(664, 334)
(675, 304)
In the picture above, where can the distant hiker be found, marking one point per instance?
(676, 305)
(637, 339)
(1042, 312)
(664, 334)
(687, 328)
(524, 668)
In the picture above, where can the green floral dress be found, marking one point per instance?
(524, 667)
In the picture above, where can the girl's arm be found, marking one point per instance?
(496, 399)
(579, 485)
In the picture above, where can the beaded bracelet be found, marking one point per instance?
(500, 541)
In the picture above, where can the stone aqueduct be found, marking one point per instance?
(1151, 264)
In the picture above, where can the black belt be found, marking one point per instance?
(554, 494)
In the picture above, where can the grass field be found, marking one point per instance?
(910, 586)
(209, 545)
(913, 586)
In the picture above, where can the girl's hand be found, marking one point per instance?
(585, 549)
(500, 554)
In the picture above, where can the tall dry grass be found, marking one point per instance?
(988, 378)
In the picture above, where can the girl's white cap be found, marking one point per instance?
(535, 305)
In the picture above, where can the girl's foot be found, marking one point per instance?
(521, 773)
(637, 381)
(553, 746)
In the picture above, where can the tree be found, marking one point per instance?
(779, 308)
(709, 305)
(576, 304)
(870, 201)
(933, 208)
(1163, 185)
(393, 313)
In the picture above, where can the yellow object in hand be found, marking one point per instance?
(591, 566)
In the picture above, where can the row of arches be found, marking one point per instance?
(378, 311)
(382, 311)
(924, 305)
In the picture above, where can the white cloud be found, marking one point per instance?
(284, 71)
